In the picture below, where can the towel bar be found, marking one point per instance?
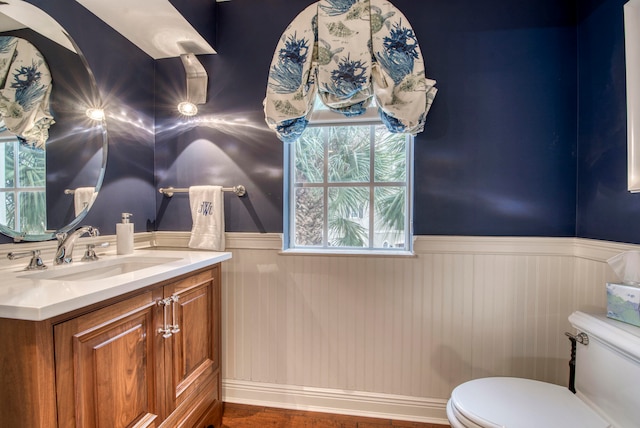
(239, 190)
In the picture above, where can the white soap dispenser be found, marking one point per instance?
(124, 235)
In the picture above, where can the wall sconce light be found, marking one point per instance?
(96, 114)
(196, 85)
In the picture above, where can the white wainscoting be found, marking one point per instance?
(392, 336)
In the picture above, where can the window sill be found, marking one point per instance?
(342, 253)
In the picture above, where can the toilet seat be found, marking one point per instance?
(497, 402)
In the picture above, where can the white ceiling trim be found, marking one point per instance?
(155, 26)
(18, 14)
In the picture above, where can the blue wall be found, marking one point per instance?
(526, 136)
(498, 153)
(125, 78)
(605, 209)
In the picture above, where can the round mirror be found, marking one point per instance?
(52, 163)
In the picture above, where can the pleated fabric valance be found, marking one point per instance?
(348, 53)
(25, 88)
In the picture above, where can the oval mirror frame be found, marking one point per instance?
(87, 98)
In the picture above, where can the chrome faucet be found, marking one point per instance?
(66, 241)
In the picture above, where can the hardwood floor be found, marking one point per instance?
(244, 416)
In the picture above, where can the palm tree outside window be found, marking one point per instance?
(22, 187)
(349, 185)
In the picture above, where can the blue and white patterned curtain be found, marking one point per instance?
(25, 88)
(348, 53)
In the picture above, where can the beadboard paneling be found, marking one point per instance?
(392, 336)
(463, 308)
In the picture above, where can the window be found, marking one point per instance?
(349, 188)
(22, 189)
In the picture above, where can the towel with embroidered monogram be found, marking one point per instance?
(207, 213)
(83, 198)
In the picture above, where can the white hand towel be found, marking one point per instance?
(83, 197)
(207, 213)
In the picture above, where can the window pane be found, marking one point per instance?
(309, 154)
(8, 164)
(7, 209)
(309, 215)
(31, 167)
(33, 212)
(334, 189)
(389, 215)
(349, 154)
(390, 156)
(348, 216)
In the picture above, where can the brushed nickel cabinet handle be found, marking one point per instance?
(175, 328)
(165, 330)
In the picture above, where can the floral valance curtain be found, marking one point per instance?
(348, 53)
(25, 87)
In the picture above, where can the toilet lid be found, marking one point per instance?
(522, 403)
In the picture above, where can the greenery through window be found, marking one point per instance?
(349, 189)
(22, 187)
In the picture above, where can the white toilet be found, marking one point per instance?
(607, 387)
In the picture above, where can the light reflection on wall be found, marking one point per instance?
(127, 122)
(233, 124)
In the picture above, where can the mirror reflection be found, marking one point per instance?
(52, 155)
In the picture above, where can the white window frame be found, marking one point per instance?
(326, 118)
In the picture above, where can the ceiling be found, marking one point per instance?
(15, 15)
(155, 26)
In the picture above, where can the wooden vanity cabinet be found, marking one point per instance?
(109, 366)
(151, 360)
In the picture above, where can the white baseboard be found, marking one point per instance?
(356, 403)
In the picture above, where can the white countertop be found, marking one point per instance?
(24, 296)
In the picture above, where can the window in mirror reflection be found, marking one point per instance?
(22, 193)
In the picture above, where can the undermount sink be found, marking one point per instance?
(88, 271)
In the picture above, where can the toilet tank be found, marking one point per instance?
(608, 368)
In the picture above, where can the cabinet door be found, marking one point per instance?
(107, 366)
(193, 353)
